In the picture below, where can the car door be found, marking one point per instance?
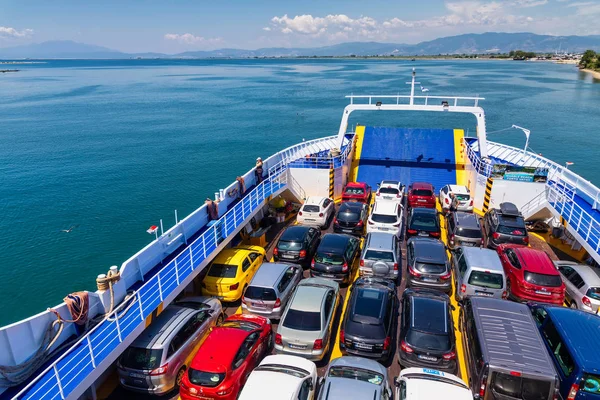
(456, 255)
(314, 239)
(256, 259)
(246, 270)
(198, 328)
(328, 309)
(288, 282)
(246, 358)
(575, 283)
(566, 272)
(305, 392)
(511, 264)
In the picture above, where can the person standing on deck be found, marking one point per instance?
(258, 171)
(454, 202)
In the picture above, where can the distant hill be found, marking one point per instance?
(491, 42)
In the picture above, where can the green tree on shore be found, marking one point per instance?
(590, 60)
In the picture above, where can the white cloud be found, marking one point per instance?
(266, 28)
(190, 39)
(6, 32)
(331, 25)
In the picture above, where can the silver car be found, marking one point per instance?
(463, 229)
(582, 285)
(270, 289)
(306, 325)
(156, 361)
(382, 254)
(478, 272)
(351, 377)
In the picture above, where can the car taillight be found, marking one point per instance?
(318, 345)
(463, 288)
(449, 356)
(224, 392)
(275, 251)
(362, 263)
(277, 303)
(505, 294)
(386, 343)
(526, 240)
(234, 286)
(312, 264)
(405, 347)
(278, 339)
(342, 337)
(452, 239)
(396, 225)
(160, 370)
(345, 267)
(482, 390)
(395, 266)
(446, 201)
(320, 214)
(414, 273)
(573, 392)
(471, 202)
(446, 276)
(299, 212)
(377, 194)
(335, 221)
(412, 231)
(371, 223)
(397, 195)
(302, 253)
(434, 234)
(495, 235)
(360, 223)
(586, 302)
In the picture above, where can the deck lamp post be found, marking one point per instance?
(568, 164)
(527, 132)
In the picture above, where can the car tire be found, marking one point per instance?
(220, 319)
(509, 295)
(271, 343)
(179, 377)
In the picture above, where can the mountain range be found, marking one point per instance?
(491, 42)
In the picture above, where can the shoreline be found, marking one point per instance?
(595, 74)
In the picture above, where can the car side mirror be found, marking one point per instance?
(311, 386)
(396, 381)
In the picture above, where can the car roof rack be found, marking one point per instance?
(509, 209)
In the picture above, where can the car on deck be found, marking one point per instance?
(316, 211)
(423, 222)
(156, 361)
(504, 225)
(357, 191)
(381, 256)
(281, 377)
(225, 359)
(421, 194)
(427, 384)
(297, 244)
(390, 191)
(531, 275)
(463, 229)
(427, 331)
(231, 271)
(368, 327)
(306, 326)
(387, 217)
(336, 257)
(478, 272)
(582, 284)
(351, 377)
(271, 289)
(351, 218)
(428, 264)
(465, 201)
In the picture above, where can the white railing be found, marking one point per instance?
(482, 167)
(533, 205)
(401, 99)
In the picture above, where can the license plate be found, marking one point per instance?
(545, 293)
(427, 358)
(429, 280)
(388, 197)
(258, 305)
(327, 276)
(485, 294)
(134, 375)
(347, 230)
(309, 219)
(363, 346)
(384, 229)
(470, 244)
(297, 346)
(423, 234)
(421, 201)
(287, 256)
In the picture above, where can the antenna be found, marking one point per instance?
(412, 86)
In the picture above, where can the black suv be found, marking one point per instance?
(368, 326)
(335, 258)
(504, 225)
(423, 222)
(297, 244)
(428, 264)
(351, 218)
(463, 229)
(427, 331)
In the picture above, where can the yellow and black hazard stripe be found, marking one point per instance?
(154, 314)
(331, 182)
(488, 195)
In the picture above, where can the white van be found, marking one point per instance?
(426, 384)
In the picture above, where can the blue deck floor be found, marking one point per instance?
(408, 155)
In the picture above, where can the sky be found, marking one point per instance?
(182, 25)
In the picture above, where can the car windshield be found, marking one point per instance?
(594, 293)
(428, 268)
(358, 374)
(591, 384)
(421, 221)
(354, 190)
(519, 387)
(222, 271)
(243, 325)
(429, 341)
(486, 279)
(422, 192)
(543, 279)
(379, 255)
(260, 293)
(283, 369)
(285, 245)
(348, 216)
(384, 219)
(302, 320)
(329, 258)
(462, 197)
(388, 190)
(206, 379)
(311, 208)
(141, 358)
(517, 228)
(469, 233)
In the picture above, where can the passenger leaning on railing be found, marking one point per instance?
(258, 171)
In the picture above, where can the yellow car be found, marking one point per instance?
(231, 271)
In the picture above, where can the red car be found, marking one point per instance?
(531, 275)
(357, 191)
(421, 194)
(226, 358)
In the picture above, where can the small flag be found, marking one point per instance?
(569, 163)
(152, 229)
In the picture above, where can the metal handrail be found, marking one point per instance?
(454, 99)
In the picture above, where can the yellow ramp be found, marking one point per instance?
(359, 138)
(459, 157)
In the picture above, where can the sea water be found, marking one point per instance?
(107, 148)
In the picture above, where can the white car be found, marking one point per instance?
(426, 384)
(316, 211)
(386, 217)
(463, 194)
(390, 190)
(281, 377)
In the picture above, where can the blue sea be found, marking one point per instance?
(110, 147)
